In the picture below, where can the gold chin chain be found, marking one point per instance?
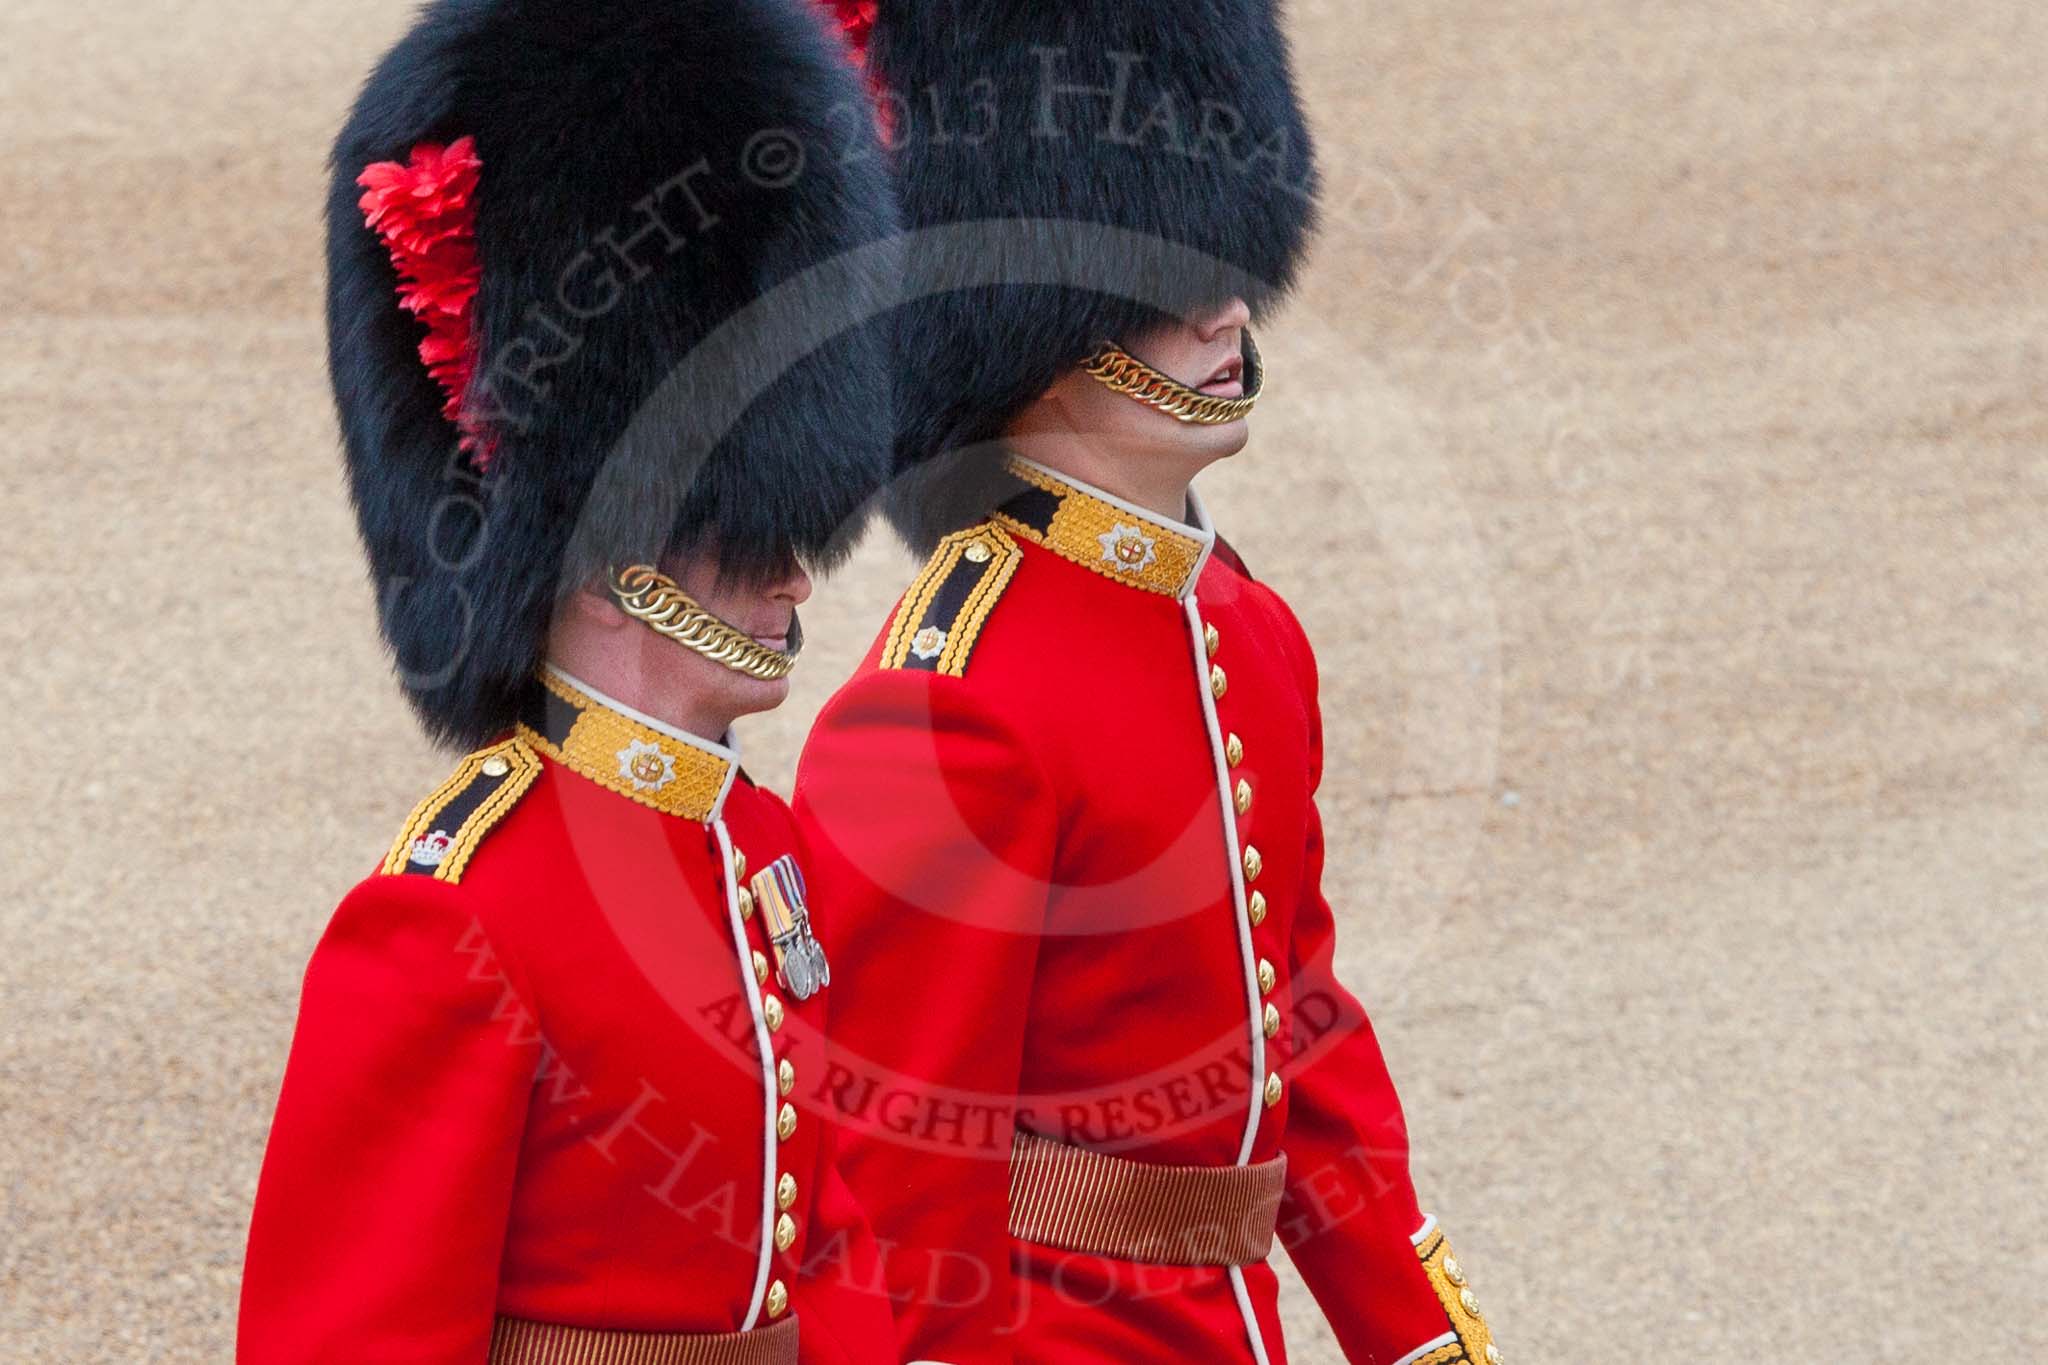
(1132, 377)
(652, 598)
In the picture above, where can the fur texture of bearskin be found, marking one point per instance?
(673, 198)
(1073, 172)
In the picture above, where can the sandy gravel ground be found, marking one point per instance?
(1657, 452)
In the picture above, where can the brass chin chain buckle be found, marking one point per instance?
(1132, 377)
(653, 599)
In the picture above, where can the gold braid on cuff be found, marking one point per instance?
(652, 598)
(1474, 1345)
(1126, 374)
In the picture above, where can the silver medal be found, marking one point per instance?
(799, 960)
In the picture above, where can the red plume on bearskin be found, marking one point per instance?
(425, 211)
(856, 20)
(641, 335)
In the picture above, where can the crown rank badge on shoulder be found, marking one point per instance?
(799, 960)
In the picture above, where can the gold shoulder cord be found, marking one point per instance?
(1126, 374)
(443, 831)
(652, 598)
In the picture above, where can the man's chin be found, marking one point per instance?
(752, 696)
(1222, 442)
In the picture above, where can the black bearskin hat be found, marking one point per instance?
(1071, 173)
(619, 304)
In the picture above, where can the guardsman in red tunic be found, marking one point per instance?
(545, 1102)
(1065, 812)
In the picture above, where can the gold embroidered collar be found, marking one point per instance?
(627, 752)
(1100, 531)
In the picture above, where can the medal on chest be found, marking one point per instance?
(799, 959)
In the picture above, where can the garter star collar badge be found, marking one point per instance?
(1128, 548)
(929, 644)
(647, 766)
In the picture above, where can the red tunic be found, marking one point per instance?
(1064, 815)
(535, 1074)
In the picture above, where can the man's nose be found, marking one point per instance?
(1235, 313)
(795, 589)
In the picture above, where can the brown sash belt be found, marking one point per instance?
(518, 1342)
(1077, 1200)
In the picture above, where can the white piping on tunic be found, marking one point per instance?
(1221, 763)
(1205, 531)
(768, 1091)
(1244, 943)
(1428, 1226)
(1251, 1319)
(1255, 1023)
